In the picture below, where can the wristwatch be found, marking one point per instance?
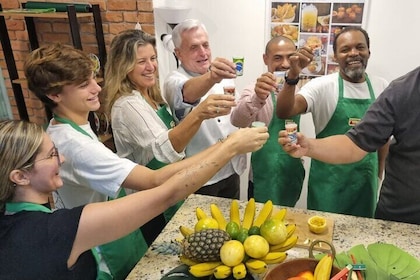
(291, 82)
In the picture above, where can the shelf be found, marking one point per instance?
(45, 15)
(72, 15)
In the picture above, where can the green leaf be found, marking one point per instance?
(393, 260)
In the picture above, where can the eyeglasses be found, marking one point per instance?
(54, 153)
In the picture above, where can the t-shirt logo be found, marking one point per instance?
(353, 121)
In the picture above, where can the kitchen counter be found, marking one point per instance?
(348, 232)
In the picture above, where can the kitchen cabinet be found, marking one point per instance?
(72, 16)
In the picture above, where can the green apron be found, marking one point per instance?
(345, 188)
(28, 206)
(280, 177)
(122, 254)
(155, 164)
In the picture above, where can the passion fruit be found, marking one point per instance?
(317, 224)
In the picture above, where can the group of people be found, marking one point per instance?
(190, 139)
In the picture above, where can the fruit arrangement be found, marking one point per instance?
(225, 247)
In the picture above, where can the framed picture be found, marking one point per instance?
(314, 23)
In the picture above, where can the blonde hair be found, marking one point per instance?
(121, 60)
(20, 142)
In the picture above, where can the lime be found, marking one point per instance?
(233, 229)
(232, 253)
(256, 246)
(206, 222)
(274, 231)
(243, 234)
(254, 230)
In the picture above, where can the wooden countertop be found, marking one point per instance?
(348, 232)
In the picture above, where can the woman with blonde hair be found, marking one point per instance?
(142, 123)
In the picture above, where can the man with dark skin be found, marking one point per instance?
(337, 102)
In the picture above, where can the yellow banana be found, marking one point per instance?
(185, 231)
(234, 212)
(239, 271)
(323, 268)
(249, 214)
(222, 271)
(203, 269)
(199, 212)
(286, 245)
(264, 213)
(290, 228)
(274, 257)
(280, 215)
(256, 266)
(187, 261)
(319, 266)
(218, 216)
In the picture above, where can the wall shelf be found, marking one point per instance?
(72, 16)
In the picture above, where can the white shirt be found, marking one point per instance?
(139, 133)
(210, 131)
(321, 95)
(91, 171)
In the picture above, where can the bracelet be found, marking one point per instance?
(291, 82)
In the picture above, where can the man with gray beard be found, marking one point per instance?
(337, 102)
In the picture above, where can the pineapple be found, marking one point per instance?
(204, 245)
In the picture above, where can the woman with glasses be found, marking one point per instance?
(38, 243)
(63, 78)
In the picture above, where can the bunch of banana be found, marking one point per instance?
(250, 219)
(203, 269)
(323, 268)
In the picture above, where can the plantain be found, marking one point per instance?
(286, 245)
(280, 215)
(274, 257)
(256, 266)
(249, 214)
(222, 271)
(323, 268)
(199, 212)
(218, 216)
(264, 213)
(203, 269)
(185, 231)
(234, 212)
(239, 271)
(187, 261)
(290, 228)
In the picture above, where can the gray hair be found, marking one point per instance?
(186, 25)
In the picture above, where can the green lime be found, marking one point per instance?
(254, 230)
(232, 228)
(243, 234)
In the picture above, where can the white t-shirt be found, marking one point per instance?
(139, 133)
(211, 130)
(321, 95)
(91, 172)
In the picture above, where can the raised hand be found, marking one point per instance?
(215, 105)
(222, 68)
(265, 84)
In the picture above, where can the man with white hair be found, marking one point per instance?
(196, 78)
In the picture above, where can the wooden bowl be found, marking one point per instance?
(293, 267)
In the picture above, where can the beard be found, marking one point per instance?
(355, 74)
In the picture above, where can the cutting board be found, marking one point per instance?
(306, 236)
